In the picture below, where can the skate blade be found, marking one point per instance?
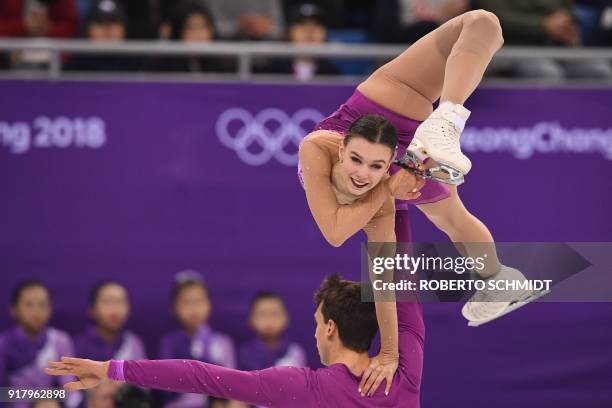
(511, 308)
(446, 174)
(442, 173)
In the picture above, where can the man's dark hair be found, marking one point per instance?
(265, 294)
(340, 301)
(22, 286)
(374, 129)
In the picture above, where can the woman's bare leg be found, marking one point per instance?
(448, 63)
(471, 237)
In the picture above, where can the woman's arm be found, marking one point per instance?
(337, 222)
(382, 243)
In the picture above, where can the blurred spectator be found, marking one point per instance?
(306, 25)
(105, 23)
(545, 22)
(35, 18)
(192, 23)
(129, 396)
(38, 18)
(4, 61)
(334, 10)
(83, 7)
(195, 339)
(605, 24)
(596, 21)
(46, 404)
(269, 320)
(109, 308)
(111, 394)
(26, 348)
(247, 19)
(142, 16)
(405, 21)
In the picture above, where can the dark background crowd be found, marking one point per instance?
(565, 23)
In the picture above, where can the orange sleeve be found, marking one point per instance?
(337, 222)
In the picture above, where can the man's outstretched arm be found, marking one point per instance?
(273, 386)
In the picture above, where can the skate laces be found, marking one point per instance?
(447, 133)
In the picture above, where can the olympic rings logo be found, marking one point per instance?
(270, 134)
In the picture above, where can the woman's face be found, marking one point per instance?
(362, 165)
(197, 29)
(112, 307)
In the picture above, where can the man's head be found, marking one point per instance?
(343, 320)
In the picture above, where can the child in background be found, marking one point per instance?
(102, 396)
(192, 23)
(195, 339)
(109, 307)
(306, 26)
(269, 320)
(106, 22)
(26, 348)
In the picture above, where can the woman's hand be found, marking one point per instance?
(89, 372)
(382, 367)
(405, 185)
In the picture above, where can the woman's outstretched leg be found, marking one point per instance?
(446, 64)
(470, 235)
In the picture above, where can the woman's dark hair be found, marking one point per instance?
(186, 279)
(374, 129)
(356, 320)
(22, 286)
(186, 9)
(94, 293)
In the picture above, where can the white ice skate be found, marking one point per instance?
(487, 305)
(437, 138)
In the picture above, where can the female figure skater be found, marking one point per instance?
(343, 163)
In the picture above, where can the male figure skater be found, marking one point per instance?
(344, 333)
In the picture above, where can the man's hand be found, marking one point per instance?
(90, 373)
(382, 367)
(405, 185)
